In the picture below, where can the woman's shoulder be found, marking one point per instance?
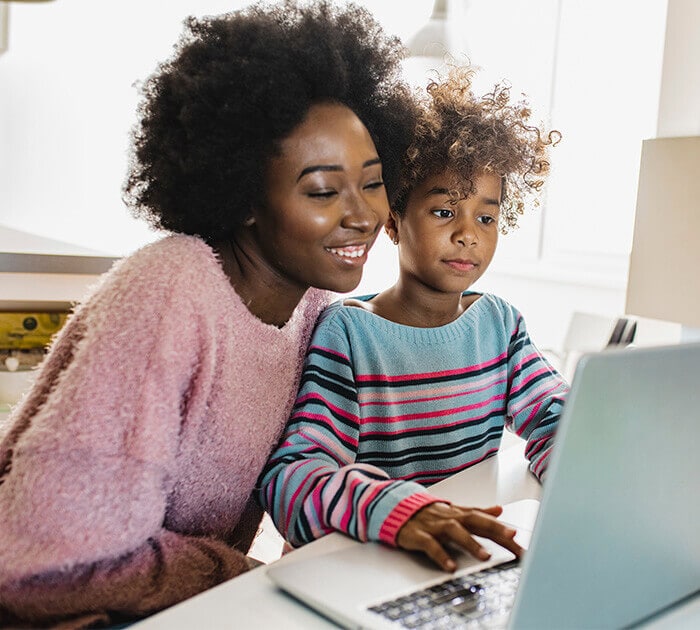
(173, 254)
(168, 273)
(173, 260)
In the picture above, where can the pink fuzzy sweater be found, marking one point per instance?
(127, 471)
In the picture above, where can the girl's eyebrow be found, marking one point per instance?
(437, 190)
(333, 167)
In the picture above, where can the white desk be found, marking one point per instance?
(252, 601)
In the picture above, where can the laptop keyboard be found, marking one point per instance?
(477, 600)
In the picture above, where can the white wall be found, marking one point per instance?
(66, 107)
(679, 103)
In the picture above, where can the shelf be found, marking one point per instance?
(13, 262)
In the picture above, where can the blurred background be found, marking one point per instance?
(603, 72)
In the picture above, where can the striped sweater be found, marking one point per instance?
(385, 409)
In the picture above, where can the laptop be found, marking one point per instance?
(615, 539)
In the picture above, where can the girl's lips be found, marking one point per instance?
(461, 265)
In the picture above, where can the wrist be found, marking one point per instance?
(402, 512)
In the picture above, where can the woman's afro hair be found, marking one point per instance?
(213, 115)
(466, 135)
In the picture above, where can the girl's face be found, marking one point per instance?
(447, 245)
(325, 201)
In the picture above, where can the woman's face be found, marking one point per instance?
(324, 202)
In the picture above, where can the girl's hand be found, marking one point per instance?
(436, 524)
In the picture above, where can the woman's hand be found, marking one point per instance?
(431, 527)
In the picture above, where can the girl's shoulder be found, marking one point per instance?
(489, 301)
(344, 313)
(349, 305)
(361, 302)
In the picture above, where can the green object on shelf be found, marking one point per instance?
(24, 331)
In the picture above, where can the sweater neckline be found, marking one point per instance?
(417, 334)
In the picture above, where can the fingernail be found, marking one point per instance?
(450, 565)
(483, 554)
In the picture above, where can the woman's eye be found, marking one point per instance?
(321, 194)
(375, 185)
(443, 213)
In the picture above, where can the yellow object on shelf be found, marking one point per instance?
(25, 331)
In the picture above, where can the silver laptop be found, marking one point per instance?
(616, 538)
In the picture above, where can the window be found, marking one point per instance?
(590, 69)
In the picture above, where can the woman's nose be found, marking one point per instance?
(365, 215)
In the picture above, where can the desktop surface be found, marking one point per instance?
(253, 601)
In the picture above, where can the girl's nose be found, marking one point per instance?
(466, 233)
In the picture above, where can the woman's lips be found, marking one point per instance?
(353, 255)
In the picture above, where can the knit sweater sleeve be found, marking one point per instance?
(536, 393)
(85, 468)
(312, 484)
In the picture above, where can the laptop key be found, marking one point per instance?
(479, 600)
(470, 592)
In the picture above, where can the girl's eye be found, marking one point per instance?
(375, 185)
(486, 219)
(443, 213)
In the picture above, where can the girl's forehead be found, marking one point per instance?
(457, 186)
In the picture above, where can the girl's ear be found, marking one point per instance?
(391, 227)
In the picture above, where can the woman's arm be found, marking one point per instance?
(89, 463)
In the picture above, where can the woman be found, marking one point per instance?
(127, 471)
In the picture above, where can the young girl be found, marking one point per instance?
(407, 387)
(126, 474)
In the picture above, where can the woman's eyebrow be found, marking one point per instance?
(319, 167)
(333, 167)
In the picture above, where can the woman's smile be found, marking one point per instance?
(354, 255)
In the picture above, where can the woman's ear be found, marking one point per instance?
(248, 221)
(391, 227)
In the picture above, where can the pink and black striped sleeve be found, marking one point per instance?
(312, 484)
(536, 394)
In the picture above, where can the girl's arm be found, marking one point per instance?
(312, 484)
(536, 393)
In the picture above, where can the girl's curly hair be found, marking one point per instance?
(214, 114)
(466, 135)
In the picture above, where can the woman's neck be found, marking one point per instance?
(267, 294)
